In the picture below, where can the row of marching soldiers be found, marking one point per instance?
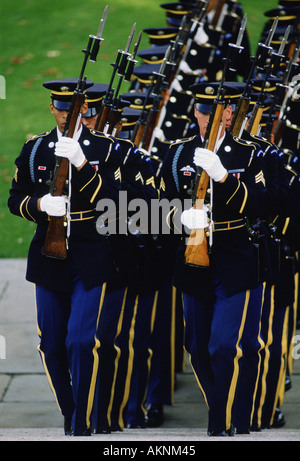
(127, 373)
(270, 92)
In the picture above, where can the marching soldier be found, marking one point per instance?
(79, 299)
(216, 298)
(134, 334)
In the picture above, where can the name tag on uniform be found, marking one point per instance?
(237, 172)
(95, 164)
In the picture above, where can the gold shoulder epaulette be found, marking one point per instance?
(244, 142)
(180, 141)
(99, 134)
(36, 136)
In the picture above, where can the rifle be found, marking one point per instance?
(184, 41)
(272, 69)
(283, 116)
(115, 114)
(55, 245)
(280, 102)
(138, 132)
(219, 13)
(119, 67)
(259, 60)
(196, 252)
(161, 80)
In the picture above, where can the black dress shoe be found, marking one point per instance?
(242, 431)
(278, 420)
(103, 431)
(255, 428)
(155, 416)
(86, 433)
(116, 428)
(288, 383)
(67, 426)
(224, 433)
(136, 426)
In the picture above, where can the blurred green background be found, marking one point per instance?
(42, 40)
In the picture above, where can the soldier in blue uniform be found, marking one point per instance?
(134, 335)
(79, 299)
(216, 297)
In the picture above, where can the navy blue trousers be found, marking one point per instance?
(250, 364)
(77, 342)
(162, 373)
(142, 354)
(212, 338)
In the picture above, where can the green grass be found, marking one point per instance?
(42, 40)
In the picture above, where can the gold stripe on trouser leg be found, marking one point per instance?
(238, 355)
(294, 313)
(198, 382)
(150, 352)
(172, 343)
(96, 362)
(266, 359)
(279, 395)
(184, 355)
(129, 364)
(262, 345)
(43, 355)
(117, 358)
(190, 361)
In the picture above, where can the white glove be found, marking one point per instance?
(210, 162)
(70, 149)
(194, 219)
(201, 37)
(53, 206)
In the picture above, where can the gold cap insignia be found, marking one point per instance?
(209, 90)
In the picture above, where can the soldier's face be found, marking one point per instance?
(60, 117)
(89, 122)
(203, 119)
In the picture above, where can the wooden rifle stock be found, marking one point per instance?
(219, 4)
(239, 116)
(277, 133)
(255, 119)
(55, 245)
(151, 123)
(114, 118)
(102, 118)
(196, 252)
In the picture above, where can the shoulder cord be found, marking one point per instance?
(174, 165)
(32, 157)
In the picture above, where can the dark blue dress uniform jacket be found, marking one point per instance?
(94, 257)
(139, 182)
(233, 257)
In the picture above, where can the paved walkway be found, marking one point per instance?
(28, 411)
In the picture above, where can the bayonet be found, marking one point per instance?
(124, 54)
(161, 74)
(242, 31)
(130, 38)
(131, 60)
(102, 22)
(137, 44)
(284, 40)
(98, 38)
(272, 32)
